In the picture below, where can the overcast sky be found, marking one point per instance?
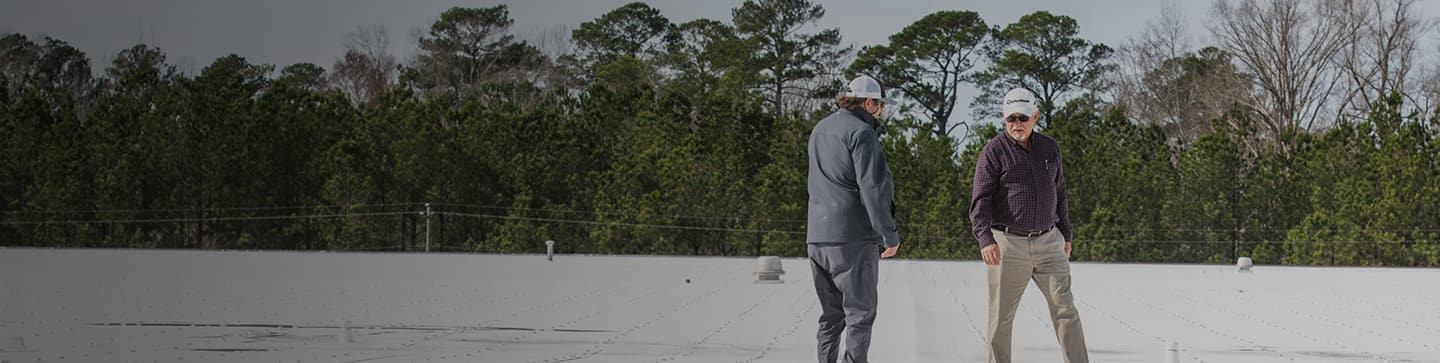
(284, 32)
(194, 33)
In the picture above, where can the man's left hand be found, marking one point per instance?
(1067, 248)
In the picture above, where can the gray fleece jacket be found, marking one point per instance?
(851, 193)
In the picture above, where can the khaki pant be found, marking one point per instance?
(1042, 259)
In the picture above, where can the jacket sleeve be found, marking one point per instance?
(872, 177)
(982, 197)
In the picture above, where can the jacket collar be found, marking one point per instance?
(868, 119)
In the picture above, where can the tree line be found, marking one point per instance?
(633, 134)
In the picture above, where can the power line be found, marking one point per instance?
(927, 237)
(576, 221)
(962, 237)
(635, 213)
(100, 211)
(627, 213)
(209, 219)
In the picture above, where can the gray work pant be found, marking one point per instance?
(845, 277)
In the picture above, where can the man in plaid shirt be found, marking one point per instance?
(1018, 213)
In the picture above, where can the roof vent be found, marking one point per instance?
(1172, 352)
(345, 336)
(768, 270)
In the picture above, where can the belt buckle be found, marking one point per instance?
(1027, 234)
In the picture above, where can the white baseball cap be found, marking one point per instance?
(866, 87)
(1019, 100)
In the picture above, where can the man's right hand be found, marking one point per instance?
(890, 252)
(991, 254)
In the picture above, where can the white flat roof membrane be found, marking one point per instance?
(233, 306)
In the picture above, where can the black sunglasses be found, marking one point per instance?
(1017, 118)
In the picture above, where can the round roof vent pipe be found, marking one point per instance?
(768, 270)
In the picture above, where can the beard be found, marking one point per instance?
(1016, 134)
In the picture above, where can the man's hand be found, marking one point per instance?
(890, 252)
(1067, 248)
(991, 254)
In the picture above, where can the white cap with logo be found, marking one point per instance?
(866, 87)
(1019, 100)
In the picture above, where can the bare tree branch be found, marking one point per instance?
(1383, 56)
(1288, 48)
(367, 69)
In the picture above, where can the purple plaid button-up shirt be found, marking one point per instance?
(1020, 189)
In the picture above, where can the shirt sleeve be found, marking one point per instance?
(982, 197)
(1062, 198)
(872, 177)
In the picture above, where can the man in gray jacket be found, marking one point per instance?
(851, 215)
